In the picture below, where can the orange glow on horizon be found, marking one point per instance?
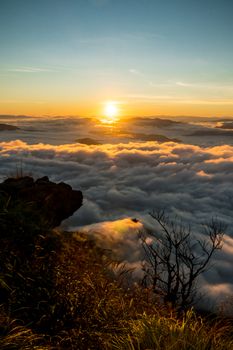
(87, 108)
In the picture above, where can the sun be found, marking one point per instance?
(111, 113)
(110, 110)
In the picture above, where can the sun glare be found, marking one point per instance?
(111, 113)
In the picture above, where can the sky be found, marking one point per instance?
(153, 57)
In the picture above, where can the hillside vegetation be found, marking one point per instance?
(59, 292)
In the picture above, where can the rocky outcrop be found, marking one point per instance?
(88, 141)
(4, 127)
(53, 202)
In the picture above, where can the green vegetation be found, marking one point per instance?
(57, 291)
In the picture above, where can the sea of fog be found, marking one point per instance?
(128, 169)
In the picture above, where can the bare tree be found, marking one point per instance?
(175, 258)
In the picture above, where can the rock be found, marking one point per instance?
(153, 137)
(54, 202)
(88, 141)
(226, 125)
(4, 127)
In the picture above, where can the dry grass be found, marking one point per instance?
(168, 332)
(56, 292)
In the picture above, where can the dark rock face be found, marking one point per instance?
(226, 125)
(4, 127)
(88, 141)
(54, 202)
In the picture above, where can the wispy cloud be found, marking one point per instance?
(174, 99)
(148, 97)
(20, 102)
(208, 101)
(136, 72)
(207, 86)
(29, 70)
(181, 83)
(212, 87)
(143, 76)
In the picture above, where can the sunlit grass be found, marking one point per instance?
(169, 332)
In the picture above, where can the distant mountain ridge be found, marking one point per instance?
(8, 127)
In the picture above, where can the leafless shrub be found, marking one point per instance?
(175, 259)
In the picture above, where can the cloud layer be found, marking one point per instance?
(130, 179)
(120, 181)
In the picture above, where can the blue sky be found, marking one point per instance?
(145, 53)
